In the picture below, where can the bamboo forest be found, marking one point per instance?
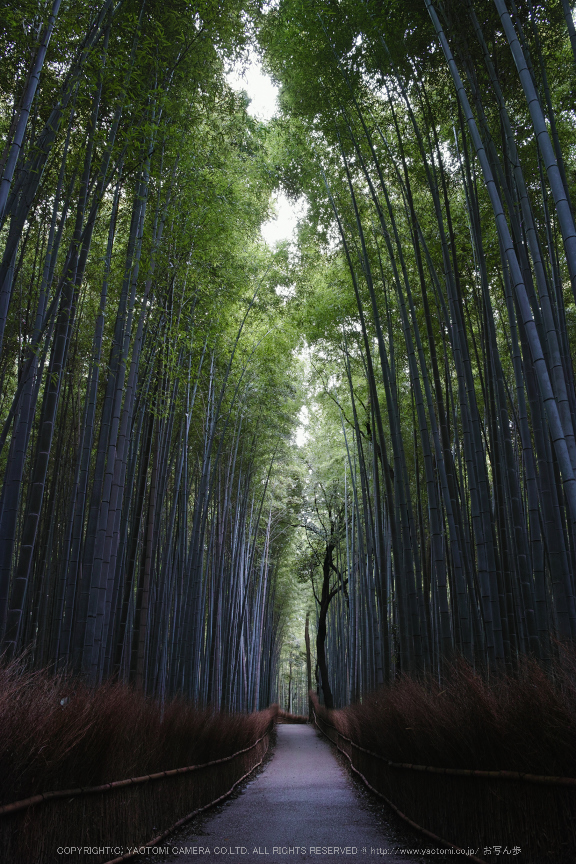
(235, 472)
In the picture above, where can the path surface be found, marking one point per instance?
(301, 807)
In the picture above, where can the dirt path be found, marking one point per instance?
(301, 807)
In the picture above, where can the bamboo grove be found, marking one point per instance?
(154, 509)
(436, 150)
(139, 528)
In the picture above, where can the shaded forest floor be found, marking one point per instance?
(57, 733)
(305, 802)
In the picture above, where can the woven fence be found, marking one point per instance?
(484, 816)
(103, 823)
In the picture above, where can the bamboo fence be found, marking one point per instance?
(485, 814)
(103, 823)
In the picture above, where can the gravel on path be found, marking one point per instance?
(301, 807)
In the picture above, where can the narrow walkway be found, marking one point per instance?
(301, 807)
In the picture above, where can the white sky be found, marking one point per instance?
(261, 91)
(263, 105)
(302, 433)
(283, 227)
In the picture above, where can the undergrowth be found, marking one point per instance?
(57, 733)
(287, 717)
(524, 721)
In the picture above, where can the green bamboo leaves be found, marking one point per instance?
(146, 391)
(443, 172)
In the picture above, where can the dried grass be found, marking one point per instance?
(286, 717)
(524, 721)
(56, 733)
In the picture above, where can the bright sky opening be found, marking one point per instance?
(283, 226)
(302, 434)
(263, 105)
(259, 87)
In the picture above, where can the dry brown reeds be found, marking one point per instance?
(286, 717)
(56, 733)
(523, 722)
